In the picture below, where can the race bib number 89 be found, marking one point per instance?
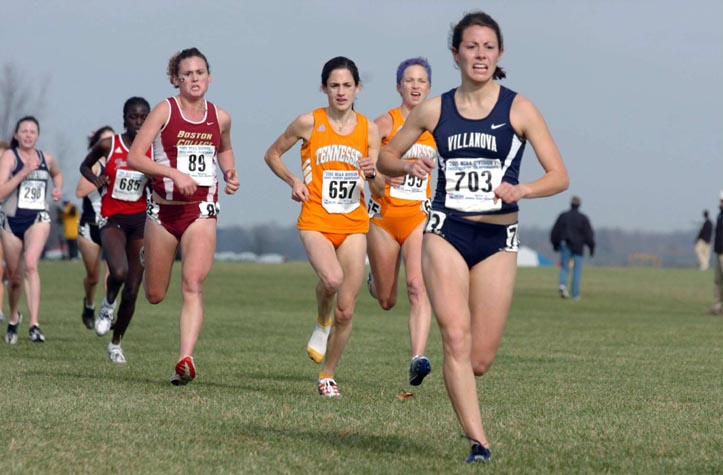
(198, 162)
(341, 191)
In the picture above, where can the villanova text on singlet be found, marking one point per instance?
(475, 156)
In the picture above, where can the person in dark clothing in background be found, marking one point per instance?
(571, 232)
(718, 249)
(702, 242)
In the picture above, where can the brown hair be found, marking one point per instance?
(175, 61)
(477, 18)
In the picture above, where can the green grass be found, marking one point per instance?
(627, 380)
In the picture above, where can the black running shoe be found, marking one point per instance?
(36, 335)
(418, 369)
(88, 316)
(478, 453)
(11, 336)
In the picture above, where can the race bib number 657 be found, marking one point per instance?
(341, 191)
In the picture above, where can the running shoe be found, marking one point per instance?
(11, 335)
(105, 319)
(115, 353)
(327, 387)
(478, 453)
(370, 280)
(36, 335)
(316, 348)
(418, 369)
(185, 372)
(563, 292)
(2, 316)
(88, 316)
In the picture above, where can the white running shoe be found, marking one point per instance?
(327, 387)
(316, 348)
(563, 292)
(115, 353)
(104, 319)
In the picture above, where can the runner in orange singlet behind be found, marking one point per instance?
(397, 213)
(339, 150)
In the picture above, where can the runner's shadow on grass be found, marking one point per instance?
(264, 383)
(343, 439)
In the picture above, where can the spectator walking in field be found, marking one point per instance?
(570, 234)
(702, 242)
(71, 217)
(718, 249)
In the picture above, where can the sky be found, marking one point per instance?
(632, 91)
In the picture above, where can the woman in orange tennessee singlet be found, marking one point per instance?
(190, 136)
(398, 211)
(339, 150)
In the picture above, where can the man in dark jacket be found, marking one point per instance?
(718, 249)
(702, 242)
(570, 234)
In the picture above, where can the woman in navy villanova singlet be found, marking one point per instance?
(25, 173)
(469, 255)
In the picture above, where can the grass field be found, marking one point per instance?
(627, 380)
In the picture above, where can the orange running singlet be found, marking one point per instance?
(413, 191)
(330, 164)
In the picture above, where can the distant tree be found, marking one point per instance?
(19, 96)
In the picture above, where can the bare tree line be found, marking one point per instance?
(19, 97)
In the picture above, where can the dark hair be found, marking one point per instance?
(28, 118)
(340, 62)
(477, 18)
(705, 213)
(135, 101)
(418, 61)
(95, 136)
(175, 61)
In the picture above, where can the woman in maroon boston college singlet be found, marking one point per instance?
(189, 136)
